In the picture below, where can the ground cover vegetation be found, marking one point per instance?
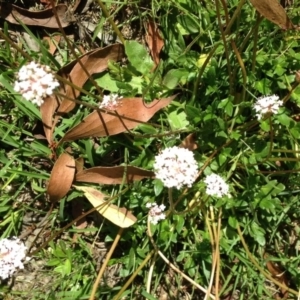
(149, 149)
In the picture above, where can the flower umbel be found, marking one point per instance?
(216, 186)
(156, 212)
(12, 252)
(35, 82)
(110, 102)
(267, 105)
(176, 167)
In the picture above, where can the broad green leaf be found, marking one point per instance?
(138, 57)
(178, 120)
(232, 221)
(107, 83)
(175, 76)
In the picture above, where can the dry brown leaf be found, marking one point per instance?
(279, 275)
(95, 61)
(113, 175)
(62, 176)
(44, 18)
(79, 163)
(154, 40)
(47, 110)
(119, 216)
(130, 113)
(274, 12)
(189, 142)
(52, 42)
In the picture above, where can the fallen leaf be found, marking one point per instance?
(45, 18)
(279, 275)
(47, 110)
(154, 40)
(79, 163)
(62, 176)
(130, 113)
(274, 12)
(119, 216)
(113, 175)
(52, 42)
(95, 61)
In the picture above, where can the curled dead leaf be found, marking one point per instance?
(274, 12)
(47, 110)
(62, 176)
(95, 61)
(154, 40)
(130, 113)
(119, 216)
(45, 18)
(113, 175)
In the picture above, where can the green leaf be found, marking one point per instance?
(267, 203)
(285, 120)
(106, 82)
(193, 113)
(272, 188)
(179, 221)
(175, 76)
(227, 105)
(158, 187)
(186, 24)
(258, 233)
(178, 120)
(147, 295)
(138, 57)
(232, 221)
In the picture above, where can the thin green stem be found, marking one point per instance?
(111, 21)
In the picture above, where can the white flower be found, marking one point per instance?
(35, 82)
(156, 212)
(12, 252)
(110, 102)
(216, 186)
(176, 167)
(267, 105)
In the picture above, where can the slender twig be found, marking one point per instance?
(111, 21)
(241, 63)
(213, 247)
(107, 258)
(218, 267)
(225, 47)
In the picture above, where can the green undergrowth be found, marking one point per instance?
(246, 242)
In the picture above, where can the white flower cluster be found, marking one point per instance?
(216, 186)
(35, 82)
(12, 252)
(176, 167)
(267, 105)
(156, 212)
(110, 102)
